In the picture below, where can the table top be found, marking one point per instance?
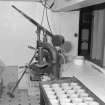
(91, 76)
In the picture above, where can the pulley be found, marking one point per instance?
(48, 3)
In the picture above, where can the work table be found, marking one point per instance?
(91, 76)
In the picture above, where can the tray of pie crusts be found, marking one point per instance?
(69, 91)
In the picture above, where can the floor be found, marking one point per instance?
(87, 57)
(21, 97)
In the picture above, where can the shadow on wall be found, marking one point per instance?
(67, 47)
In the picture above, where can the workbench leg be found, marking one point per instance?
(42, 102)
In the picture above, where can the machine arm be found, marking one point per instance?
(34, 22)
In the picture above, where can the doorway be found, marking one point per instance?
(85, 32)
(91, 42)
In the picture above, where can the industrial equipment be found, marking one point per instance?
(46, 57)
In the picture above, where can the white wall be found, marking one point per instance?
(16, 32)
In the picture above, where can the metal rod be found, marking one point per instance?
(34, 22)
(26, 67)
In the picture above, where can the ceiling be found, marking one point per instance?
(22, 0)
(67, 5)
